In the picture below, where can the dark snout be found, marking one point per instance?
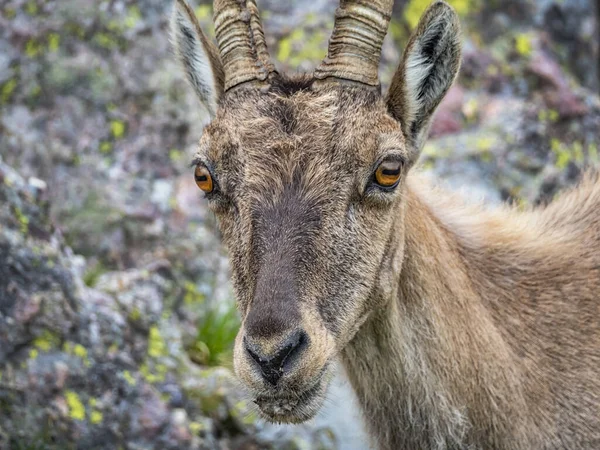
(274, 339)
(274, 363)
(283, 348)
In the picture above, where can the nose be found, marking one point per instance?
(274, 366)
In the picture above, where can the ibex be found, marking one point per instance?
(459, 328)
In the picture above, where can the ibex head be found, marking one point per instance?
(306, 176)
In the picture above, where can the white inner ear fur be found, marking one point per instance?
(416, 71)
(195, 59)
(430, 68)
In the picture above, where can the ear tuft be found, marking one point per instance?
(198, 55)
(428, 69)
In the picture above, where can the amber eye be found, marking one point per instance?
(203, 179)
(388, 173)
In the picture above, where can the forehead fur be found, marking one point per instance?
(295, 131)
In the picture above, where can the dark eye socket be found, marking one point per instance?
(388, 173)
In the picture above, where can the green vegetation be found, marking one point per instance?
(216, 335)
(23, 220)
(192, 295)
(309, 47)
(76, 408)
(46, 341)
(523, 44)
(91, 275)
(53, 42)
(7, 90)
(156, 343)
(117, 129)
(414, 9)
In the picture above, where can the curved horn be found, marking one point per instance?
(355, 44)
(241, 42)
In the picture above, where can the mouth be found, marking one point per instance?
(291, 406)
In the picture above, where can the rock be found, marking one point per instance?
(559, 96)
(448, 118)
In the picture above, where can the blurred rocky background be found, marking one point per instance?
(116, 315)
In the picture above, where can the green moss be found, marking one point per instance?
(156, 343)
(415, 8)
(7, 90)
(105, 147)
(485, 143)
(196, 427)
(577, 152)
(285, 49)
(105, 40)
(76, 408)
(204, 12)
(593, 153)
(46, 341)
(74, 29)
(22, 219)
(397, 31)
(53, 42)
(129, 378)
(117, 129)
(133, 16)
(563, 156)
(31, 8)
(175, 155)
(80, 351)
(35, 91)
(310, 48)
(135, 314)
(150, 376)
(471, 110)
(523, 44)
(10, 13)
(32, 48)
(96, 417)
(192, 296)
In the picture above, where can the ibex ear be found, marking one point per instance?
(428, 69)
(199, 56)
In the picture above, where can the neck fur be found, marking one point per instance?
(430, 369)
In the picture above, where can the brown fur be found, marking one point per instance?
(459, 327)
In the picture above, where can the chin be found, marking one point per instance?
(292, 406)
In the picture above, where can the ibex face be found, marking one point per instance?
(306, 177)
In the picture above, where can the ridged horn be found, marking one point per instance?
(241, 42)
(355, 44)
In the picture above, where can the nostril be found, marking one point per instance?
(274, 365)
(288, 352)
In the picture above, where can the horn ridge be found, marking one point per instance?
(355, 45)
(241, 41)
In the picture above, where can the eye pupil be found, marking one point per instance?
(391, 172)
